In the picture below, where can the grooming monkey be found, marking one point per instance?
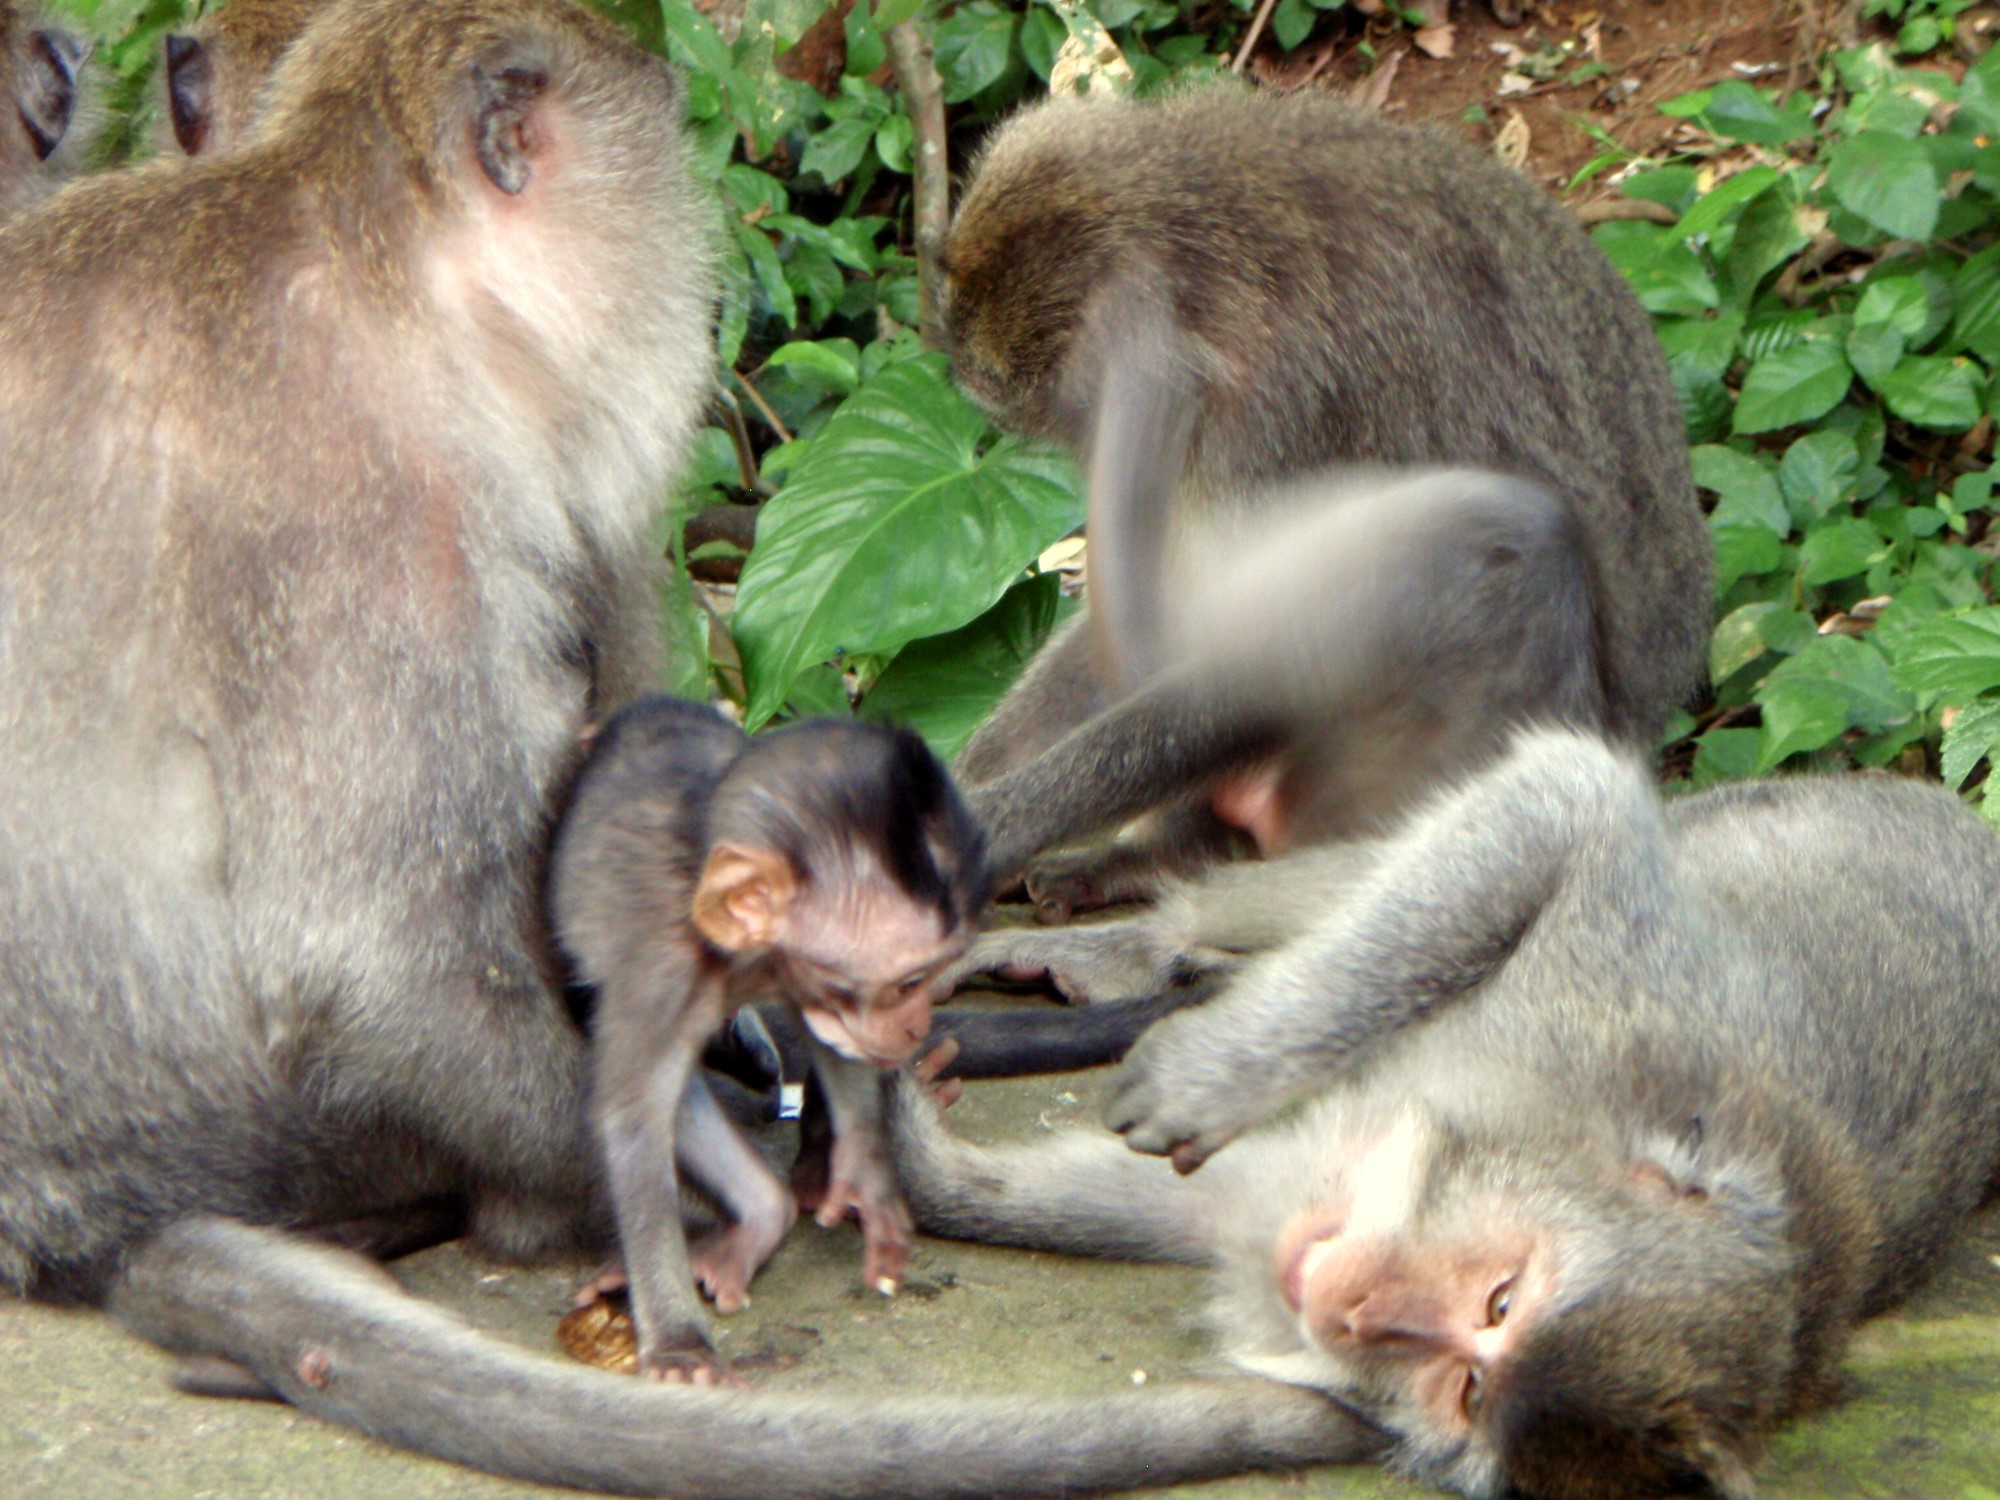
(210, 77)
(694, 866)
(1623, 1116)
(1346, 290)
(43, 75)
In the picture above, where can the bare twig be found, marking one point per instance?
(739, 439)
(1791, 283)
(915, 63)
(1256, 30)
(763, 407)
(1610, 210)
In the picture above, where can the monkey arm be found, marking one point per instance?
(1446, 906)
(1079, 1193)
(338, 1338)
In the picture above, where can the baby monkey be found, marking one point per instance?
(696, 868)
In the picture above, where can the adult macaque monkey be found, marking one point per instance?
(833, 861)
(308, 449)
(1346, 290)
(210, 78)
(1626, 1114)
(43, 76)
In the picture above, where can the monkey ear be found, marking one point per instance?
(505, 132)
(47, 101)
(743, 897)
(190, 91)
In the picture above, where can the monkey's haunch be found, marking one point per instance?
(995, 1043)
(339, 1339)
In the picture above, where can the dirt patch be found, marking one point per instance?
(1567, 85)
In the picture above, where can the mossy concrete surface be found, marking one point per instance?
(86, 1412)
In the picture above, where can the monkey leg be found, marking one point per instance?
(1078, 1192)
(713, 1152)
(1100, 961)
(864, 1180)
(1176, 840)
(640, 1149)
(1445, 906)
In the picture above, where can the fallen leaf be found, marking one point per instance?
(1373, 91)
(1435, 41)
(1512, 83)
(1510, 143)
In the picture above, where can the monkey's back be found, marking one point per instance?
(1369, 292)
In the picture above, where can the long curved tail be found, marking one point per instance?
(338, 1338)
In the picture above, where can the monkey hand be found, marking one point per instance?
(864, 1184)
(1174, 1097)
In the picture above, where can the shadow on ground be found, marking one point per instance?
(86, 1411)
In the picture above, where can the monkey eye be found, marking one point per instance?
(911, 985)
(1499, 1302)
(1472, 1395)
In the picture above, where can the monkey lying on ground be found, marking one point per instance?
(210, 77)
(831, 860)
(1624, 1115)
(1348, 290)
(43, 76)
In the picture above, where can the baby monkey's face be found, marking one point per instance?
(862, 970)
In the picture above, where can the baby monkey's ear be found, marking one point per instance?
(744, 897)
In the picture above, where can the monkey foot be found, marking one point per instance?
(887, 1230)
(691, 1367)
(724, 1263)
(606, 1282)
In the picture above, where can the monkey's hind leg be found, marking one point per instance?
(713, 1152)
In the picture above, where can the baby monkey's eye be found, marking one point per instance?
(1498, 1303)
(914, 983)
(1472, 1395)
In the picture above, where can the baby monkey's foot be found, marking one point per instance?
(725, 1262)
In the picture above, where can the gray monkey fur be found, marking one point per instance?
(1784, 996)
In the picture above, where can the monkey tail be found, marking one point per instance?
(1014, 1043)
(337, 1337)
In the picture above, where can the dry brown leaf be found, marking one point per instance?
(1436, 41)
(1430, 14)
(1512, 83)
(1373, 91)
(1511, 142)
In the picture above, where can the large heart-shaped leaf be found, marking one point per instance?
(1956, 658)
(945, 687)
(895, 525)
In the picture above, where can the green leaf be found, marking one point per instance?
(1839, 550)
(1767, 235)
(1667, 275)
(1737, 111)
(895, 12)
(1974, 736)
(1042, 36)
(834, 363)
(893, 526)
(1873, 351)
(1794, 385)
(1745, 489)
(1723, 200)
(1701, 347)
(944, 687)
(1742, 549)
(1726, 755)
(865, 49)
(1932, 391)
(1818, 472)
(1899, 301)
(972, 47)
(770, 271)
(1738, 639)
(1292, 22)
(1976, 325)
(1957, 657)
(892, 143)
(1798, 716)
(837, 150)
(1886, 180)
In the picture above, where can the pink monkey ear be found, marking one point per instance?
(743, 897)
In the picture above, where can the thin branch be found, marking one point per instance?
(739, 439)
(1610, 210)
(1250, 37)
(915, 64)
(763, 407)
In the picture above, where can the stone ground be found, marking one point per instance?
(86, 1412)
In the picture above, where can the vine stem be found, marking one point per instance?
(915, 64)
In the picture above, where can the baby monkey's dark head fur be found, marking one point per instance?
(823, 792)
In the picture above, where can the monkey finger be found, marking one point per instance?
(949, 1092)
(1187, 1156)
(932, 1064)
(603, 1284)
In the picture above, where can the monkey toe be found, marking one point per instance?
(605, 1283)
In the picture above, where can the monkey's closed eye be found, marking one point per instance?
(1498, 1303)
(1470, 1397)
